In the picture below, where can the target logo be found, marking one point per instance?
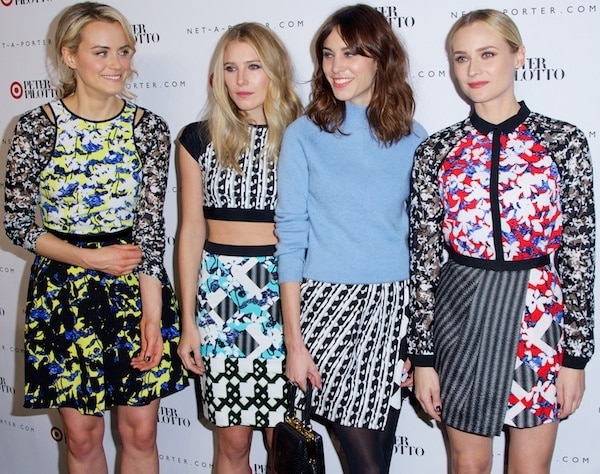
(57, 434)
(6, 3)
(16, 88)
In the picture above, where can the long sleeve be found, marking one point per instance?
(153, 142)
(291, 213)
(426, 240)
(576, 256)
(30, 150)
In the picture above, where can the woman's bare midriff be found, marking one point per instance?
(240, 233)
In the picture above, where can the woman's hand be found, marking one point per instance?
(427, 391)
(300, 366)
(570, 386)
(117, 260)
(407, 374)
(150, 324)
(189, 350)
(152, 345)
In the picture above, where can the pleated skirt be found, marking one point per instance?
(498, 346)
(82, 328)
(356, 336)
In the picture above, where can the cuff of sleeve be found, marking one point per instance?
(421, 360)
(574, 362)
(290, 268)
(155, 271)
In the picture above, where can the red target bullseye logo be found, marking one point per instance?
(6, 3)
(16, 89)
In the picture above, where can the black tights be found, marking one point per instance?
(368, 451)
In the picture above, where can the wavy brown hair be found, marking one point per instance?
(227, 124)
(367, 33)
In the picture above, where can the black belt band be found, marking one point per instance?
(239, 250)
(513, 265)
(125, 234)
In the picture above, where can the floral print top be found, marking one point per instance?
(89, 177)
(514, 191)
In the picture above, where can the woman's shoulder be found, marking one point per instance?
(302, 125)
(145, 117)
(198, 128)
(418, 131)
(36, 120)
(449, 133)
(39, 113)
(195, 137)
(554, 126)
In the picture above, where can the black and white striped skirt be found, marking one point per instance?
(355, 334)
(484, 344)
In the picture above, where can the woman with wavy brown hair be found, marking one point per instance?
(342, 223)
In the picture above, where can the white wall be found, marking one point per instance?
(176, 39)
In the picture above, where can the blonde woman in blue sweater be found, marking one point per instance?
(342, 224)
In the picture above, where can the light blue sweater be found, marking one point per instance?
(342, 213)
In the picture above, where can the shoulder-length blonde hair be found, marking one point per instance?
(229, 127)
(367, 33)
(68, 35)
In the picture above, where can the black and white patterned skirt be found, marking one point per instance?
(242, 338)
(355, 334)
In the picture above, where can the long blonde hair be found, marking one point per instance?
(68, 35)
(227, 124)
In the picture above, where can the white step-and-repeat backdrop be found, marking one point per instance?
(175, 41)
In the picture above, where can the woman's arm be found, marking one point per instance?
(426, 248)
(153, 142)
(299, 363)
(191, 235)
(116, 260)
(292, 228)
(150, 325)
(575, 258)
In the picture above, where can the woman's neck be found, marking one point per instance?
(496, 113)
(93, 109)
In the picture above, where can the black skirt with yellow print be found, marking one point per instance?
(81, 332)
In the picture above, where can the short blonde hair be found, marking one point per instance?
(68, 35)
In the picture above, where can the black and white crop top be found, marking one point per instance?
(229, 195)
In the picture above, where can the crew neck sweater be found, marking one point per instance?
(342, 214)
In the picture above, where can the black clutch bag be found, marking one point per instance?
(297, 449)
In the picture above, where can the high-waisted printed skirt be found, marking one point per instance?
(82, 328)
(498, 345)
(241, 333)
(356, 336)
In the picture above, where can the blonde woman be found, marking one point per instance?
(232, 333)
(101, 326)
(501, 332)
